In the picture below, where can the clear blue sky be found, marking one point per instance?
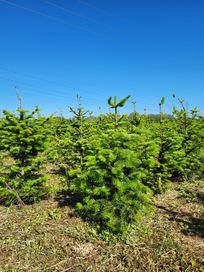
(54, 49)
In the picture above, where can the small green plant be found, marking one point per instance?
(113, 195)
(23, 137)
(60, 142)
(157, 153)
(79, 134)
(135, 118)
(118, 120)
(190, 128)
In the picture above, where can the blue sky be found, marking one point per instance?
(53, 50)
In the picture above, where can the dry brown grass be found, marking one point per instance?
(46, 237)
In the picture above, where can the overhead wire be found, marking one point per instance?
(28, 9)
(72, 89)
(53, 93)
(48, 16)
(65, 9)
(31, 76)
(41, 91)
(48, 92)
(64, 85)
(93, 7)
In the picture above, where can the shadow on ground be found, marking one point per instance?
(191, 225)
(200, 196)
(192, 196)
(67, 198)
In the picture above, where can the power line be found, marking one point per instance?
(98, 90)
(56, 93)
(93, 7)
(46, 15)
(43, 91)
(43, 79)
(30, 10)
(31, 76)
(77, 14)
(67, 10)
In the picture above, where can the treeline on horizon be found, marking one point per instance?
(111, 165)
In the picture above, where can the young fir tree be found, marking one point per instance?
(23, 137)
(134, 119)
(78, 141)
(159, 147)
(158, 176)
(79, 134)
(117, 119)
(58, 149)
(190, 128)
(110, 184)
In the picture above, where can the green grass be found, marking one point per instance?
(47, 237)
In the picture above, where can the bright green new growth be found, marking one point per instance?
(113, 195)
(122, 169)
(190, 128)
(135, 118)
(79, 133)
(23, 137)
(112, 163)
(111, 181)
(115, 105)
(58, 148)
